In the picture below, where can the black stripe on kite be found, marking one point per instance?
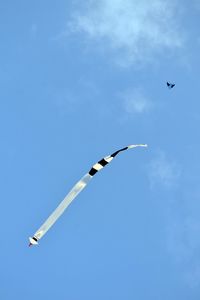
(103, 162)
(93, 171)
(115, 153)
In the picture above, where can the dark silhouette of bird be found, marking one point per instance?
(170, 85)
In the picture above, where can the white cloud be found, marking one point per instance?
(163, 172)
(137, 30)
(135, 102)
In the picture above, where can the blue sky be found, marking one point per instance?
(78, 80)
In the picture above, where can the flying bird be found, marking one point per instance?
(78, 187)
(170, 85)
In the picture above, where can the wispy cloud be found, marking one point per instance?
(183, 244)
(183, 237)
(33, 30)
(163, 171)
(135, 102)
(192, 276)
(196, 4)
(135, 30)
(182, 222)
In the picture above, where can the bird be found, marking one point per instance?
(170, 85)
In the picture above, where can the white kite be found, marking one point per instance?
(79, 186)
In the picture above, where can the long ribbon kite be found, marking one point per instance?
(79, 186)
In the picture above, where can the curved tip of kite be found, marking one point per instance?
(139, 145)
